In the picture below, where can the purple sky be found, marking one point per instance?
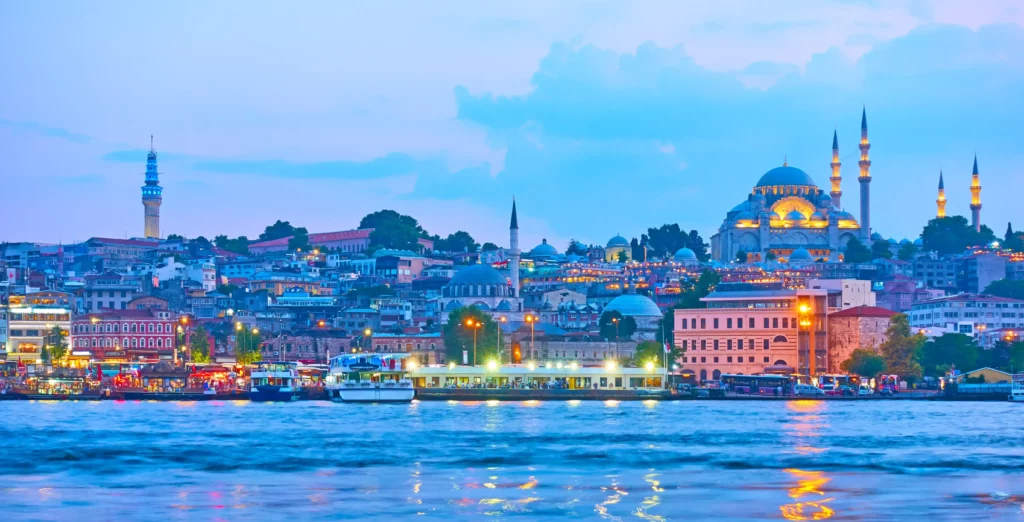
(601, 118)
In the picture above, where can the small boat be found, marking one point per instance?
(370, 378)
(275, 382)
(1017, 388)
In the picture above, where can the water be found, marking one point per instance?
(870, 460)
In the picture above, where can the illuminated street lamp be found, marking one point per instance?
(807, 323)
(532, 320)
(616, 321)
(475, 325)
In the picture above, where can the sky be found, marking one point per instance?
(600, 117)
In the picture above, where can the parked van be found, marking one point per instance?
(807, 390)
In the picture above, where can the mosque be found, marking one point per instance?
(788, 216)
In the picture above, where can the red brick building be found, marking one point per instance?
(855, 328)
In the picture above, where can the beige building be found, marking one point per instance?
(853, 292)
(747, 329)
(31, 319)
(854, 328)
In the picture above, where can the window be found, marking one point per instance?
(739, 344)
(785, 322)
(715, 323)
(766, 360)
(728, 322)
(775, 322)
(750, 359)
(716, 359)
(766, 344)
(684, 324)
(703, 359)
(780, 339)
(739, 322)
(750, 323)
(716, 344)
(684, 344)
(703, 323)
(766, 322)
(728, 344)
(693, 323)
(703, 344)
(150, 327)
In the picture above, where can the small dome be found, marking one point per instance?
(800, 254)
(918, 242)
(785, 175)
(741, 207)
(795, 215)
(825, 201)
(774, 216)
(876, 237)
(818, 216)
(478, 275)
(844, 215)
(892, 241)
(617, 241)
(453, 305)
(903, 241)
(746, 214)
(685, 254)
(543, 250)
(633, 305)
(758, 198)
(504, 306)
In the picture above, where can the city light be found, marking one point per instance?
(649, 366)
(492, 365)
(610, 366)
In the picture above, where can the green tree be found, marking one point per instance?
(300, 241)
(939, 353)
(458, 336)
(699, 247)
(576, 248)
(856, 252)
(199, 345)
(666, 239)
(175, 237)
(907, 252)
(460, 241)
(865, 363)
(393, 230)
(239, 245)
(880, 250)
(608, 329)
(900, 349)
(623, 256)
(489, 247)
(58, 344)
(696, 289)
(953, 235)
(770, 256)
(1006, 288)
(741, 256)
(1017, 357)
(279, 230)
(1012, 240)
(247, 346)
(1000, 356)
(652, 351)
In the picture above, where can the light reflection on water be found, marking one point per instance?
(799, 460)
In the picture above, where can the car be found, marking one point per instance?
(806, 390)
(847, 391)
(865, 390)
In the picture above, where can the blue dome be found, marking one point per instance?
(633, 305)
(785, 175)
(918, 242)
(842, 214)
(876, 237)
(800, 254)
(685, 254)
(817, 216)
(478, 275)
(618, 241)
(544, 250)
(745, 214)
(825, 201)
(775, 216)
(741, 207)
(505, 306)
(795, 215)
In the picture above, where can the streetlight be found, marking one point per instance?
(497, 335)
(616, 321)
(532, 319)
(366, 337)
(475, 325)
(807, 323)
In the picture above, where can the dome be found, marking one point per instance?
(746, 214)
(903, 241)
(825, 201)
(918, 242)
(617, 241)
(741, 207)
(795, 215)
(504, 306)
(892, 241)
(785, 175)
(544, 250)
(774, 216)
(633, 305)
(844, 215)
(478, 275)
(685, 254)
(876, 237)
(800, 254)
(758, 198)
(818, 216)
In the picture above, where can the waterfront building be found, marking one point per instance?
(860, 327)
(310, 346)
(30, 322)
(970, 314)
(152, 196)
(129, 335)
(753, 329)
(787, 215)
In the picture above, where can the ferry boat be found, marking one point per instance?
(370, 378)
(1017, 388)
(275, 382)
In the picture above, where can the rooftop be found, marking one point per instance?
(864, 311)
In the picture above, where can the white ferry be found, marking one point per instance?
(275, 382)
(370, 378)
(1017, 388)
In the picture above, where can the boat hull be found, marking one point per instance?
(374, 394)
(272, 394)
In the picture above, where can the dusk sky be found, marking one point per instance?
(601, 118)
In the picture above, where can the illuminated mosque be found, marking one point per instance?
(788, 216)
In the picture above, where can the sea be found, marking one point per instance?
(686, 460)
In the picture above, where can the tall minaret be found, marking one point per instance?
(941, 202)
(152, 194)
(976, 197)
(836, 179)
(865, 180)
(513, 246)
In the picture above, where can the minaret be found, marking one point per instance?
(152, 194)
(513, 246)
(865, 180)
(836, 179)
(976, 197)
(941, 202)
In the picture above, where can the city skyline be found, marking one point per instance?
(250, 132)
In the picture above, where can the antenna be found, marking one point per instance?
(150, 142)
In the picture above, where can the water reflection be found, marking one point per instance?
(808, 495)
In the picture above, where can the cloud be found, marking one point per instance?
(44, 130)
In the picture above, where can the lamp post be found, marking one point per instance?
(497, 334)
(474, 325)
(532, 320)
(366, 337)
(616, 321)
(807, 323)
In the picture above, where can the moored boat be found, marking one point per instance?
(1017, 388)
(274, 382)
(370, 378)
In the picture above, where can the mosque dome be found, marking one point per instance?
(741, 207)
(774, 216)
(617, 241)
(785, 175)
(818, 216)
(918, 242)
(746, 214)
(634, 305)
(844, 215)
(795, 215)
(543, 250)
(684, 254)
(758, 198)
(825, 201)
(800, 254)
(478, 275)
(892, 241)
(876, 237)
(904, 241)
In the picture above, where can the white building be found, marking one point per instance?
(855, 292)
(970, 314)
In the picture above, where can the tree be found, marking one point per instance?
(1012, 240)
(300, 241)
(953, 235)
(666, 239)
(175, 237)
(770, 256)
(576, 248)
(856, 252)
(907, 252)
(247, 346)
(239, 245)
(699, 247)
(1006, 288)
(1000, 356)
(279, 230)
(697, 289)
(393, 230)
(460, 241)
(652, 351)
(58, 344)
(623, 256)
(608, 329)
(939, 353)
(879, 250)
(199, 345)
(489, 247)
(741, 256)
(865, 363)
(459, 331)
(901, 349)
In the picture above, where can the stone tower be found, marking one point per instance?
(865, 180)
(836, 179)
(513, 247)
(941, 202)
(976, 197)
(152, 195)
